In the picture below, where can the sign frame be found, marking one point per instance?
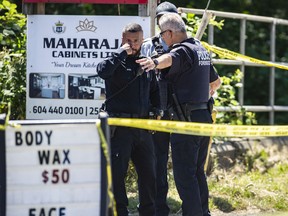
(63, 52)
(104, 199)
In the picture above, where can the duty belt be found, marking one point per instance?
(188, 107)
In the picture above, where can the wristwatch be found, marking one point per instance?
(156, 63)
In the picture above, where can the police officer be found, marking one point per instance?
(154, 47)
(129, 94)
(191, 74)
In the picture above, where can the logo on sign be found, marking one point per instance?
(86, 25)
(59, 28)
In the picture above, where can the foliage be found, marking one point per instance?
(130, 180)
(226, 96)
(193, 22)
(13, 86)
(12, 61)
(12, 27)
(250, 160)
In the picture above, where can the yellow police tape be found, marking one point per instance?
(236, 56)
(203, 129)
(104, 145)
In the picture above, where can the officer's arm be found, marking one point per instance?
(214, 86)
(106, 68)
(161, 62)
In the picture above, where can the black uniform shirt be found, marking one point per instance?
(191, 72)
(142, 91)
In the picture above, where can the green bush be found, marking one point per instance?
(12, 60)
(12, 28)
(13, 84)
(226, 96)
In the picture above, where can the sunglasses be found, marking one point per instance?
(161, 33)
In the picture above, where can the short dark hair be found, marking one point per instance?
(132, 27)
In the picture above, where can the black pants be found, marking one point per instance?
(161, 142)
(136, 144)
(189, 154)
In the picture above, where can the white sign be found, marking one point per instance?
(53, 170)
(62, 56)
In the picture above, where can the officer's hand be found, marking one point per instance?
(127, 48)
(147, 64)
(212, 92)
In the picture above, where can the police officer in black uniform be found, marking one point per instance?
(193, 80)
(130, 93)
(155, 47)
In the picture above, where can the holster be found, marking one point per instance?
(177, 111)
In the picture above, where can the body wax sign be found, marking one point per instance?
(53, 170)
(62, 57)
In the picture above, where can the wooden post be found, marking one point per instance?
(147, 10)
(40, 8)
(32, 8)
(204, 22)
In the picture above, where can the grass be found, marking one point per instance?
(256, 180)
(264, 191)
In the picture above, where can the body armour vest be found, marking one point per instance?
(190, 82)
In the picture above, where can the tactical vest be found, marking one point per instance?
(191, 82)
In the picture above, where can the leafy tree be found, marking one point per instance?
(12, 60)
(12, 28)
